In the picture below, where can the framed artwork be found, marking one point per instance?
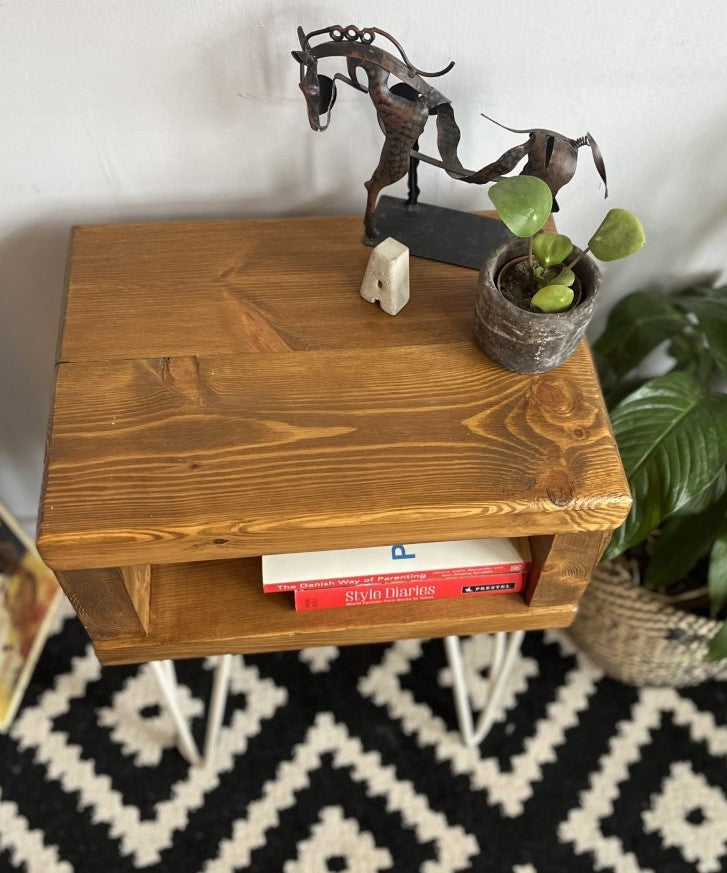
(29, 593)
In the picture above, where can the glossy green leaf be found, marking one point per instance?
(704, 499)
(717, 578)
(681, 543)
(672, 436)
(711, 313)
(718, 645)
(619, 235)
(552, 298)
(636, 326)
(551, 248)
(524, 203)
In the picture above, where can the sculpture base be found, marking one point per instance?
(437, 233)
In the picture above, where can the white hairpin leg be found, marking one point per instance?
(462, 707)
(218, 702)
(506, 650)
(498, 685)
(167, 681)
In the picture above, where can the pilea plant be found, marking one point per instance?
(524, 204)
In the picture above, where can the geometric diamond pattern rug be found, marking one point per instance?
(349, 759)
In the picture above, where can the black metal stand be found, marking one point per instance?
(438, 234)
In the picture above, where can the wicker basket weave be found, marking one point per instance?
(636, 638)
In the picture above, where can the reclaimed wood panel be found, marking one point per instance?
(229, 287)
(104, 603)
(201, 458)
(562, 566)
(137, 581)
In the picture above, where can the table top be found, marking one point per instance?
(223, 391)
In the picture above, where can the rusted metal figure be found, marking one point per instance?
(403, 110)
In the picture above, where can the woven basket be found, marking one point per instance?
(635, 637)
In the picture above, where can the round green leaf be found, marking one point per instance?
(553, 298)
(523, 203)
(619, 235)
(551, 248)
(565, 277)
(545, 276)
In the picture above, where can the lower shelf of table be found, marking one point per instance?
(214, 607)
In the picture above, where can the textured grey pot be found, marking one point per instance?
(530, 342)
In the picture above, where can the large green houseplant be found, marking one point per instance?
(671, 430)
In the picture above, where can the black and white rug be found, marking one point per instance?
(349, 760)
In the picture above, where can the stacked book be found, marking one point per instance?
(399, 573)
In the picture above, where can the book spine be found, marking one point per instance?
(415, 577)
(362, 595)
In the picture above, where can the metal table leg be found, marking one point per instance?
(507, 646)
(167, 681)
(218, 702)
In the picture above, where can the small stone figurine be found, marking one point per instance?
(386, 279)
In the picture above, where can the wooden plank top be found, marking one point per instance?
(223, 391)
(228, 287)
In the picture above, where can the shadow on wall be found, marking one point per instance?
(32, 264)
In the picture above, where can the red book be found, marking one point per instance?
(430, 589)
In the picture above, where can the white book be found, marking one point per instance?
(398, 563)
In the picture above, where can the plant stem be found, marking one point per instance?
(577, 258)
(530, 253)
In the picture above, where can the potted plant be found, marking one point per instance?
(654, 611)
(536, 293)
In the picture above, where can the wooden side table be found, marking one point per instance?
(223, 391)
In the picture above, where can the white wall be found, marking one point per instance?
(122, 110)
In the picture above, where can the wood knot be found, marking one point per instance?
(183, 376)
(555, 395)
(558, 488)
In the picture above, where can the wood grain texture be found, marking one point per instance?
(256, 286)
(202, 458)
(218, 606)
(562, 566)
(137, 581)
(102, 602)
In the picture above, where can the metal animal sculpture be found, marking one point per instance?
(403, 110)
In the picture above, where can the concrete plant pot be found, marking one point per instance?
(522, 340)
